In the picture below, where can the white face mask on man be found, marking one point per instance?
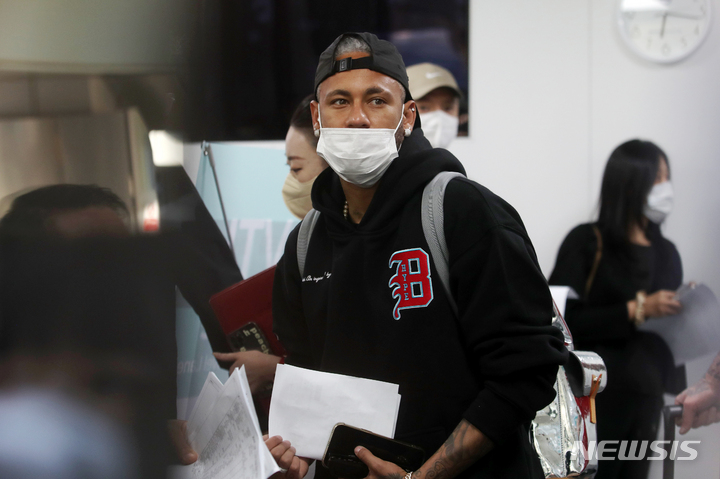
(358, 155)
(440, 128)
(659, 202)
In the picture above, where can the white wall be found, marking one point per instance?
(553, 92)
(529, 138)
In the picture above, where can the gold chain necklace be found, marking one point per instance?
(345, 211)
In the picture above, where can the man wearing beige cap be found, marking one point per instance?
(438, 99)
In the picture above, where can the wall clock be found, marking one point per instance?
(664, 31)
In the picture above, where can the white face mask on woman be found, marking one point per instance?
(440, 128)
(358, 155)
(659, 202)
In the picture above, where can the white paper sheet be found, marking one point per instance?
(229, 441)
(269, 466)
(695, 331)
(307, 404)
(560, 295)
(205, 401)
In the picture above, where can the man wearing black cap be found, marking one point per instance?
(375, 308)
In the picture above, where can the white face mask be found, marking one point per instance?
(358, 155)
(659, 202)
(440, 128)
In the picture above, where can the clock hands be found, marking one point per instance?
(662, 30)
(675, 13)
(667, 12)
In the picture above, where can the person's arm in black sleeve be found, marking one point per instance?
(288, 320)
(202, 262)
(505, 314)
(573, 266)
(675, 269)
(504, 308)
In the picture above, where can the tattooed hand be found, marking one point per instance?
(701, 401)
(465, 445)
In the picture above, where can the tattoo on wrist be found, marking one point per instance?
(455, 455)
(698, 387)
(438, 471)
(713, 372)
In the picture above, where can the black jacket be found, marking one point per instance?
(636, 361)
(203, 262)
(495, 365)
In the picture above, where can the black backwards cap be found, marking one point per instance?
(384, 58)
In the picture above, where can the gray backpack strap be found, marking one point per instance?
(433, 221)
(303, 241)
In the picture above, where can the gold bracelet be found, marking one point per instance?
(408, 475)
(639, 318)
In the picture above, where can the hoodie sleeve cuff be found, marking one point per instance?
(494, 417)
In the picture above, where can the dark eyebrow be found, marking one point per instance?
(339, 92)
(375, 90)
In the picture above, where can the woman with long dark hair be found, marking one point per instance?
(625, 273)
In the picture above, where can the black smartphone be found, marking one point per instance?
(249, 337)
(341, 461)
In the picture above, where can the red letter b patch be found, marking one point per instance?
(411, 284)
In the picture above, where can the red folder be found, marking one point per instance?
(249, 301)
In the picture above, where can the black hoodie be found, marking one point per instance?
(494, 365)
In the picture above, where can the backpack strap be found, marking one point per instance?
(303, 240)
(433, 221)
(596, 261)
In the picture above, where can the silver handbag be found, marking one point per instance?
(561, 432)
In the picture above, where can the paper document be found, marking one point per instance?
(695, 331)
(204, 403)
(307, 404)
(560, 295)
(224, 430)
